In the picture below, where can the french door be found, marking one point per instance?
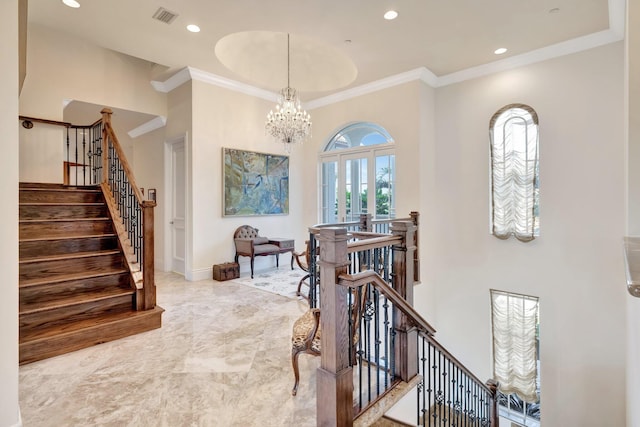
(357, 182)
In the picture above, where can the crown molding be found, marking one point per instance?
(613, 34)
(190, 73)
(151, 125)
(172, 82)
(422, 74)
(549, 52)
(213, 79)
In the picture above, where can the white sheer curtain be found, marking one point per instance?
(514, 172)
(514, 320)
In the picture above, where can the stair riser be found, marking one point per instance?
(32, 230)
(56, 291)
(63, 196)
(56, 186)
(66, 315)
(55, 346)
(63, 211)
(50, 269)
(64, 246)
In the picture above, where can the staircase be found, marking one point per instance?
(75, 288)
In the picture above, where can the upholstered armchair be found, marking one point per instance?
(306, 334)
(250, 244)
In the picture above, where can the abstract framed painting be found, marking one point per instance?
(254, 183)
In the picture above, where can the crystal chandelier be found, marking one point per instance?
(289, 124)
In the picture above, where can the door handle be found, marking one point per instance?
(170, 222)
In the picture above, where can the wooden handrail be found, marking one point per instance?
(375, 242)
(58, 123)
(424, 328)
(122, 157)
(370, 276)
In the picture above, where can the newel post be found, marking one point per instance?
(148, 255)
(406, 348)
(334, 376)
(106, 119)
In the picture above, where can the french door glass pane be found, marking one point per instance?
(355, 188)
(385, 185)
(330, 192)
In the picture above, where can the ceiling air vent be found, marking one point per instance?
(165, 15)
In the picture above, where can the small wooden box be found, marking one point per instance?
(226, 271)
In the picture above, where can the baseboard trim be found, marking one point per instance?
(199, 274)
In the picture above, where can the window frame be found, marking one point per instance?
(344, 154)
(521, 418)
(519, 227)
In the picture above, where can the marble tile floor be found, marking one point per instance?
(221, 358)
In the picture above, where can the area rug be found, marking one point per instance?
(282, 281)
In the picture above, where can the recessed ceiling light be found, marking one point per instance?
(193, 28)
(391, 14)
(500, 51)
(71, 3)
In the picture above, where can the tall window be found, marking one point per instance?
(516, 360)
(358, 174)
(513, 132)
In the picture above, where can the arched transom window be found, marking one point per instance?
(514, 173)
(358, 161)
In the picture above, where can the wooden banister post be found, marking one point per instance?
(495, 417)
(365, 222)
(106, 119)
(334, 376)
(406, 350)
(148, 254)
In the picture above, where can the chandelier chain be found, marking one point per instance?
(289, 124)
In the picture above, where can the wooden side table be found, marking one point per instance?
(285, 245)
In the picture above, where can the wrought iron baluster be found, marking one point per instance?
(377, 340)
(84, 158)
(75, 161)
(68, 148)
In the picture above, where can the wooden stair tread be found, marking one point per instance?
(68, 237)
(76, 290)
(74, 276)
(85, 324)
(62, 204)
(32, 221)
(63, 189)
(25, 184)
(80, 298)
(66, 256)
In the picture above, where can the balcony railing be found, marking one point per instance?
(388, 343)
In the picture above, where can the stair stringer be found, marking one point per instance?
(386, 402)
(134, 267)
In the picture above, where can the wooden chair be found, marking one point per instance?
(306, 332)
(250, 244)
(303, 259)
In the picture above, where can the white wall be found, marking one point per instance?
(9, 411)
(632, 127)
(575, 267)
(148, 161)
(396, 109)
(223, 118)
(41, 153)
(62, 67)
